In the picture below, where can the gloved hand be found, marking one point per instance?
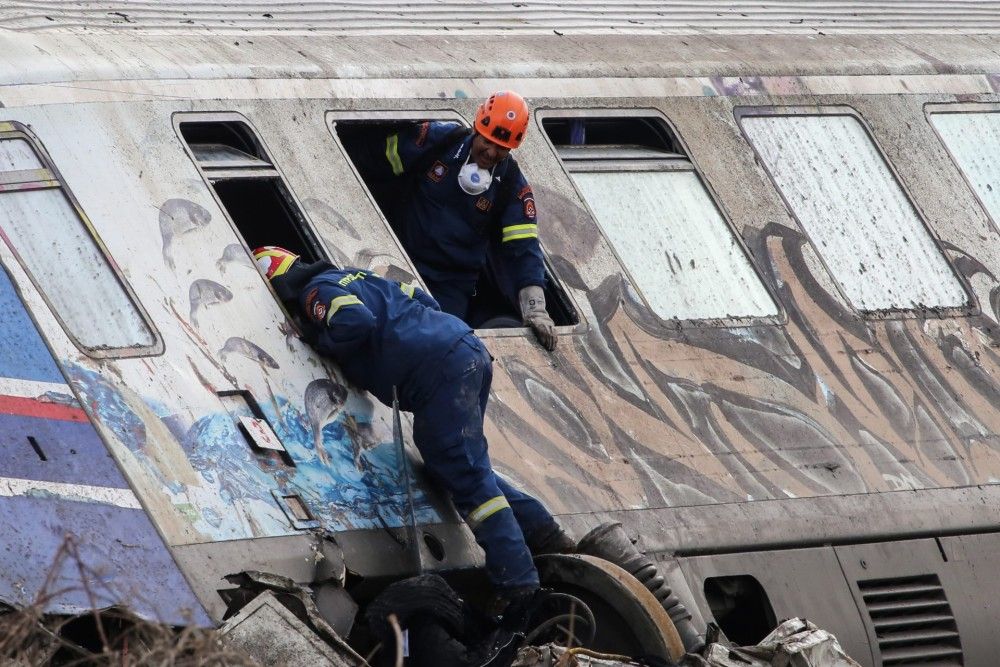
(533, 312)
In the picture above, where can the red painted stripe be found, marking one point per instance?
(32, 407)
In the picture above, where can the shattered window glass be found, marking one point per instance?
(859, 218)
(973, 138)
(70, 269)
(676, 245)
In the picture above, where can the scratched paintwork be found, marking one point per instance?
(633, 412)
(639, 411)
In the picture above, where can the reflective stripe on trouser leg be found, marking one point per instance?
(448, 431)
(486, 510)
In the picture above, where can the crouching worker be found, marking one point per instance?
(384, 334)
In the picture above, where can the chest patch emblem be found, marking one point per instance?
(484, 204)
(437, 171)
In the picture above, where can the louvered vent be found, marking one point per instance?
(913, 621)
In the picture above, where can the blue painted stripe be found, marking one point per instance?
(124, 557)
(75, 453)
(23, 353)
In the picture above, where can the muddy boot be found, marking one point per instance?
(554, 541)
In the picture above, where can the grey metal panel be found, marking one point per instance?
(416, 16)
(800, 522)
(807, 583)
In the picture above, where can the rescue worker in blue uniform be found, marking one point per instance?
(468, 186)
(386, 334)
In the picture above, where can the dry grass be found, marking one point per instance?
(103, 637)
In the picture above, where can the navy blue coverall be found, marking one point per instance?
(383, 334)
(446, 231)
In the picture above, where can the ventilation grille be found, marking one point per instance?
(913, 621)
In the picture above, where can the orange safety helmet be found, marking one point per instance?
(273, 260)
(503, 119)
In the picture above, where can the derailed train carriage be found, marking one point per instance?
(773, 254)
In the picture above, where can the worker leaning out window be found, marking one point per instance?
(464, 205)
(385, 334)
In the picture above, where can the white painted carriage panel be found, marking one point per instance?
(861, 221)
(71, 271)
(974, 142)
(678, 248)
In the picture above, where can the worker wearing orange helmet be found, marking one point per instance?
(467, 202)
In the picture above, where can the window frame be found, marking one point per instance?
(940, 108)
(181, 117)
(50, 178)
(333, 116)
(778, 319)
(971, 306)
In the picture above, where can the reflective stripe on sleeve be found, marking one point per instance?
(486, 510)
(408, 289)
(392, 154)
(515, 232)
(339, 302)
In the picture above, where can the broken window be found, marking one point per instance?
(365, 143)
(847, 199)
(237, 166)
(741, 607)
(972, 136)
(658, 215)
(62, 255)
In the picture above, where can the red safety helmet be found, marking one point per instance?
(503, 119)
(273, 260)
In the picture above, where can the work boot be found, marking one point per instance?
(514, 607)
(554, 541)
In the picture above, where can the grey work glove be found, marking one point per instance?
(533, 312)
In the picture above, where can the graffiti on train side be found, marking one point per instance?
(347, 476)
(827, 403)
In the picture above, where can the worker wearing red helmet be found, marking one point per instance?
(469, 191)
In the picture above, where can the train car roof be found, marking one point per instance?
(66, 41)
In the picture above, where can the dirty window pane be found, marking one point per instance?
(71, 271)
(16, 155)
(974, 141)
(859, 218)
(678, 248)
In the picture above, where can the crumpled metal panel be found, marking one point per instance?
(384, 16)
(851, 205)
(675, 244)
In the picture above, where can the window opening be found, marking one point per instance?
(660, 218)
(60, 251)
(365, 142)
(249, 186)
(850, 203)
(741, 607)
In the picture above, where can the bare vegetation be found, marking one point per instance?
(102, 637)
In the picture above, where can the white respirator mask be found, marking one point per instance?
(473, 179)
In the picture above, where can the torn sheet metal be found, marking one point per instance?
(794, 643)
(275, 636)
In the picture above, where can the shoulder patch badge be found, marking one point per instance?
(318, 311)
(437, 171)
(312, 302)
(529, 208)
(422, 134)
